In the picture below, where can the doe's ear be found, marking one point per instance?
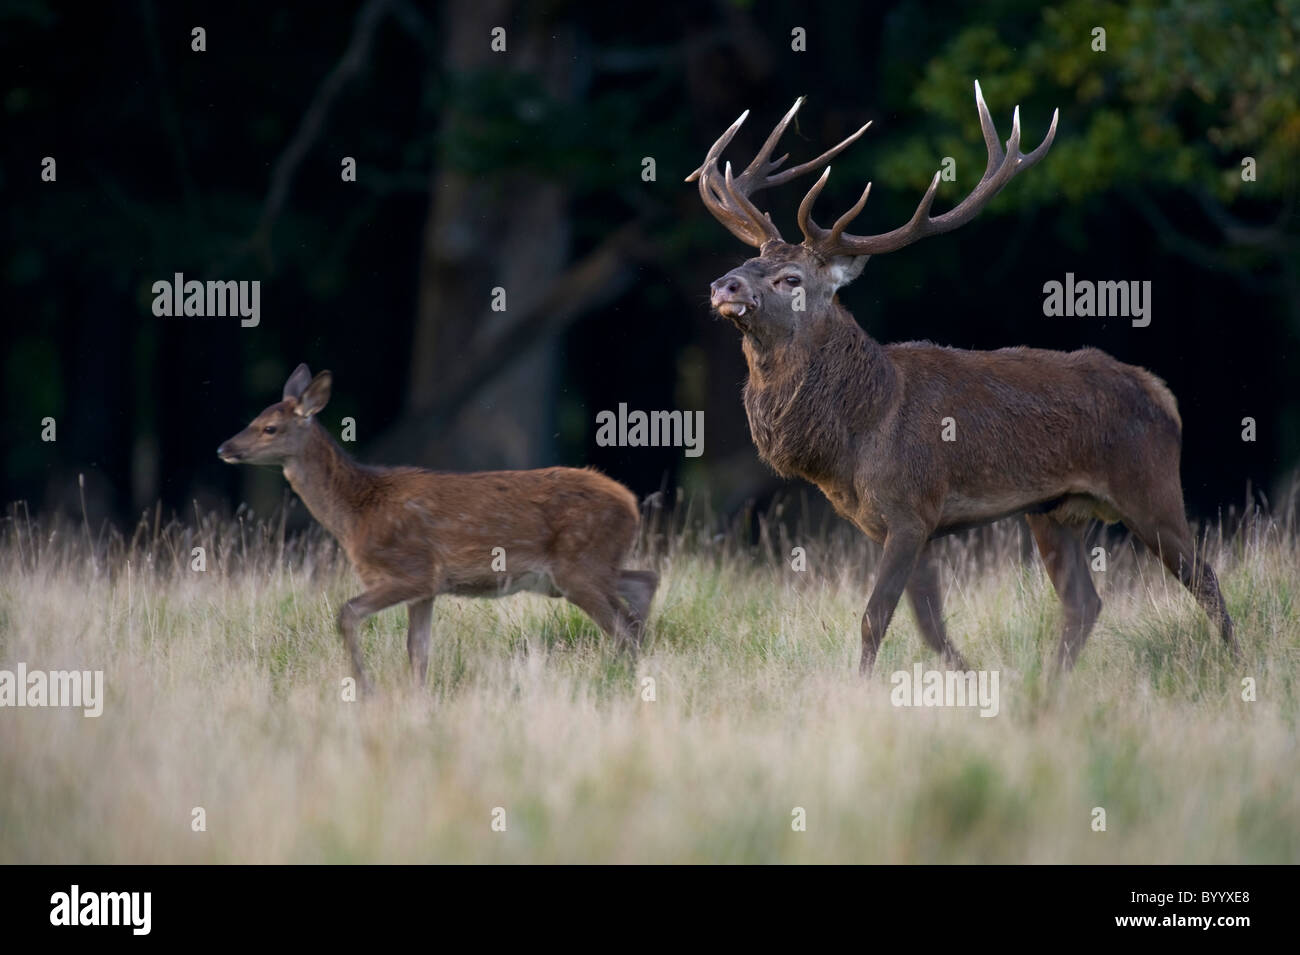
(845, 268)
(297, 383)
(315, 395)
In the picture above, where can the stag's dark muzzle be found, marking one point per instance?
(732, 296)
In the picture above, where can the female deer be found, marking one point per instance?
(413, 534)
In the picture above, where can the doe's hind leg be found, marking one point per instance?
(637, 589)
(419, 629)
(591, 593)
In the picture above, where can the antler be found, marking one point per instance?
(1001, 169)
(727, 197)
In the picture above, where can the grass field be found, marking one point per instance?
(223, 691)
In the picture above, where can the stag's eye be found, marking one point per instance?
(269, 429)
(792, 280)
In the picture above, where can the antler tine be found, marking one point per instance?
(990, 131)
(728, 204)
(718, 146)
(751, 211)
(842, 222)
(1041, 151)
(721, 201)
(727, 196)
(813, 233)
(756, 167)
(821, 160)
(1002, 168)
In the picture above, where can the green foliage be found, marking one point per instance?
(1183, 91)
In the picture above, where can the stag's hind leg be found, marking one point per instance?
(1171, 538)
(1066, 559)
(1154, 512)
(926, 598)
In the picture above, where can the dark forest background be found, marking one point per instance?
(523, 169)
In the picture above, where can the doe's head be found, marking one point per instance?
(280, 432)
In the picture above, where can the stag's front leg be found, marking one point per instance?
(926, 595)
(903, 546)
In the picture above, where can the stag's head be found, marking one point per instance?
(279, 434)
(769, 295)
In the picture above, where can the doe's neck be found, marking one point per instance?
(329, 481)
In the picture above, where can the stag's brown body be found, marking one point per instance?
(412, 534)
(866, 423)
(912, 441)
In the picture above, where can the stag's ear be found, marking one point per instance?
(845, 268)
(297, 383)
(316, 395)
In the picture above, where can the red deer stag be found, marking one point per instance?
(413, 534)
(1061, 437)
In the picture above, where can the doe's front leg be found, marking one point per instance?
(356, 610)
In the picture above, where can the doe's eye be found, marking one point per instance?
(792, 280)
(269, 429)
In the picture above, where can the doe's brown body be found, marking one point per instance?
(412, 534)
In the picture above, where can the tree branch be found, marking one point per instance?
(595, 279)
(350, 64)
(1189, 248)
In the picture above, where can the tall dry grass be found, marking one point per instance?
(223, 691)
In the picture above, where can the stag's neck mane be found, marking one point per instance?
(808, 395)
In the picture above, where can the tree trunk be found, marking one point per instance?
(508, 230)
